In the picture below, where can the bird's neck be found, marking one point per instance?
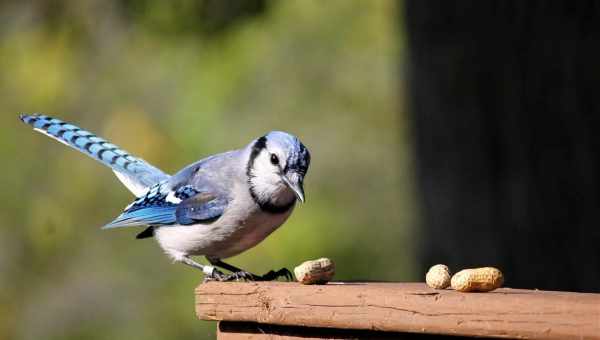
(271, 197)
(267, 189)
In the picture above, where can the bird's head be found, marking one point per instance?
(276, 168)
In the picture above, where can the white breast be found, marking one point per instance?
(241, 227)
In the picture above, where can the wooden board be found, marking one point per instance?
(233, 330)
(405, 307)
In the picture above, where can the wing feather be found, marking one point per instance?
(159, 208)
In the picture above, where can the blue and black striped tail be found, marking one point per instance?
(135, 173)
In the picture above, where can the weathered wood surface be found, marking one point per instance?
(405, 307)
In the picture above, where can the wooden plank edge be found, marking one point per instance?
(405, 307)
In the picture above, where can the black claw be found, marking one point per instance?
(274, 275)
(241, 275)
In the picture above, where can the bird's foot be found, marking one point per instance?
(216, 275)
(274, 275)
(241, 275)
(270, 276)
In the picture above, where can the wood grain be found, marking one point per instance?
(405, 307)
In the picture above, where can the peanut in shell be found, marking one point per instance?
(438, 277)
(483, 279)
(318, 271)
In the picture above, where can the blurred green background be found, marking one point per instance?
(173, 82)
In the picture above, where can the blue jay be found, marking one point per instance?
(217, 207)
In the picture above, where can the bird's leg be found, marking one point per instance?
(237, 273)
(210, 273)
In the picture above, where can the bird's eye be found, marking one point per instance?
(274, 159)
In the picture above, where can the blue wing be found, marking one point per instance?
(160, 207)
(134, 172)
(159, 215)
(201, 207)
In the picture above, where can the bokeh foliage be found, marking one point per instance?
(158, 80)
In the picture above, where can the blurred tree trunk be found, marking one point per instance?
(505, 103)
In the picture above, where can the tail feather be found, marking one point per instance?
(135, 173)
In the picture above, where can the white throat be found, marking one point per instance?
(267, 185)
